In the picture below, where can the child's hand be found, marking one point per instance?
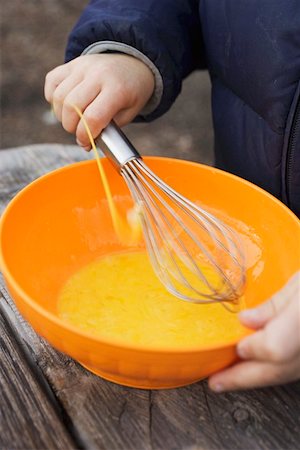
(272, 354)
(104, 86)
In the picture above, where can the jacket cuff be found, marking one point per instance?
(119, 47)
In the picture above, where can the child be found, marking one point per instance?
(127, 59)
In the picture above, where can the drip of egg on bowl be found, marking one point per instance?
(96, 298)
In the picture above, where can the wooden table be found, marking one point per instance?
(48, 401)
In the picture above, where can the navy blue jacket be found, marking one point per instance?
(252, 51)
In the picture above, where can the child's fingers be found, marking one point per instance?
(126, 116)
(258, 317)
(53, 79)
(62, 91)
(256, 347)
(98, 114)
(273, 352)
(81, 96)
(278, 341)
(251, 374)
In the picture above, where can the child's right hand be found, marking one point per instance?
(103, 86)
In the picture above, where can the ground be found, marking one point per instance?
(34, 35)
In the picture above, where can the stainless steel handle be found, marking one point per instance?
(116, 146)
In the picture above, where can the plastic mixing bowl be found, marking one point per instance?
(60, 222)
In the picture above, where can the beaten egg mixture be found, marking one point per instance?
(118, 297)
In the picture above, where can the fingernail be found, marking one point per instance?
(249, 314)
(242, 350)
(80, 143)
(217, 387)
(87, 148)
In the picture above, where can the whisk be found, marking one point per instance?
(194, 254)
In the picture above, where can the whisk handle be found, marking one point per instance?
(116, 146)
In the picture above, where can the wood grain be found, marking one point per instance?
(103, 415)
(28, 417)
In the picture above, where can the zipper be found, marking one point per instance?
(295, 132)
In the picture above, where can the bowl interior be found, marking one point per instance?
(61, 222)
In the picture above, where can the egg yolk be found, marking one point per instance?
(119, 298)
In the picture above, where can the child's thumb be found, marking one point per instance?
(257, 317)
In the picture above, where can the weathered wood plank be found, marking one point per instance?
(258, 419)
(20, 166)
(108, 416)
(28, 418)
(104, 415)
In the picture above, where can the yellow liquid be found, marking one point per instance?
(129, 230)
(119, 298)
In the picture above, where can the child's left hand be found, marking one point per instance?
(272, 354)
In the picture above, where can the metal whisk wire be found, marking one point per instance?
(179, 234)
(135, 173)
(163, 226)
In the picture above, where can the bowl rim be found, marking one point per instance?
(51, 317)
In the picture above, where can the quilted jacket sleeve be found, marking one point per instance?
(167, 32)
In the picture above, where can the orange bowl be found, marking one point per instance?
(59, 223)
